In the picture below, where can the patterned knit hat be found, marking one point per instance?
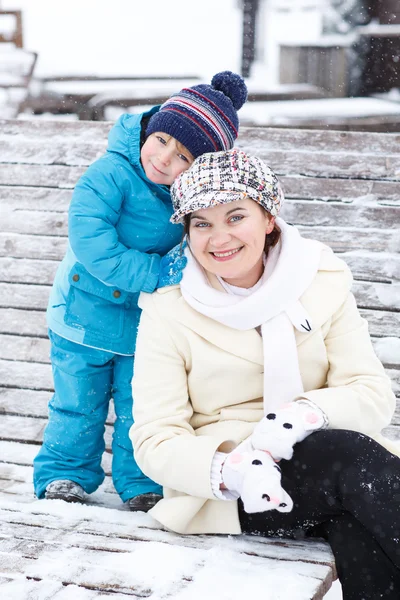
(222, 177)
(203, 118)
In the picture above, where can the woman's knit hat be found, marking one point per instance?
(222, 177)
(203, 118)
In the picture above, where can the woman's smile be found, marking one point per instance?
(229, 239)
(226, 255)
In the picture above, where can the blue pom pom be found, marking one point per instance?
(232, 85)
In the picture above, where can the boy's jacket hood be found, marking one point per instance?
(124, 137)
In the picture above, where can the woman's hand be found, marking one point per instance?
(279, 431)
(256, 478)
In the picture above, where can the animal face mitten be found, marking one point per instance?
(257, 478)
(279, 431)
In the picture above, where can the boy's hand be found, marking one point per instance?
(171, 266)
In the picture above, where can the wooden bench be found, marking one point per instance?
(341, 188)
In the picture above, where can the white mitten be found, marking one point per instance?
(255, 476)
(279, 431)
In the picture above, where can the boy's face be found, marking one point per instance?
(163, 158)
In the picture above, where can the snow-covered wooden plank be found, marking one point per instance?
(24, 474)
(330, 164)
(32, 376)
(33, 403)
(311, 164)
(35, 222)
(23, 454)
(30, 429)
(37, 350)
(38, 151)
(138, 574)
(334, 141)
(26, 270)
(342, 239)
(343, 190)
(21, 245)
(18, 587)
(22, 295)
(23, 322)
(373, 265)
(393, 431)
(51, 176)
(78, 130)
(331, 214)
(377, 295)
(371, 296)
(304, 213)
(295, 187)
(365, 265)
(35, 198)
(382, 323)
(113, 542)
(117, 530)
(23, 348)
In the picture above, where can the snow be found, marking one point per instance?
(388, 350)
(141, 38)
(272, 113)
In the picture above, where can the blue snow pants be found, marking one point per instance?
(85, 379)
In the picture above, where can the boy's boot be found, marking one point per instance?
(143, 502)
(64, 489)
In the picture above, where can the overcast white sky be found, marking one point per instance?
(132, 37)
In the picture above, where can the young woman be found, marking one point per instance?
(262, 341)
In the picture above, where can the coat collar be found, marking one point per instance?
(322, 299)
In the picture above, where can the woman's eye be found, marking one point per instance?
(201, 225)
(236, 218)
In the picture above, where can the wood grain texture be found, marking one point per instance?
(342, 188)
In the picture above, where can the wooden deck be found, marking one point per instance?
(341, 188)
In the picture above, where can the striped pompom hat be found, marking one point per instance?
(222, 177)
(204, 117)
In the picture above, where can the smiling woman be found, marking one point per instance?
(228, 240)
(261, 352)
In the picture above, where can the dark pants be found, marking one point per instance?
(346, 489)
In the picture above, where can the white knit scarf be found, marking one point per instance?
(273, 304)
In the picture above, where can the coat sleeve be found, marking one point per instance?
(93, 215)
(358, 395)
(166, 447)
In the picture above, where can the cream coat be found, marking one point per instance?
(198, 387)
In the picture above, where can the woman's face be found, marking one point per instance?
(228, 240)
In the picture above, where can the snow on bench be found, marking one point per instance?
(341, 188)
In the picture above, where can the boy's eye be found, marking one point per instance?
(183, 157)
(160, 139)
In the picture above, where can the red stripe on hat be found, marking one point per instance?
(192, 91)
(197, 123)
(195, 108)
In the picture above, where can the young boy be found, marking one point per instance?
(119, 234)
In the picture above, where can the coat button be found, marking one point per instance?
(75, 278)
(117, 294)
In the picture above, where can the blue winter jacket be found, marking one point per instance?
(118, 229)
